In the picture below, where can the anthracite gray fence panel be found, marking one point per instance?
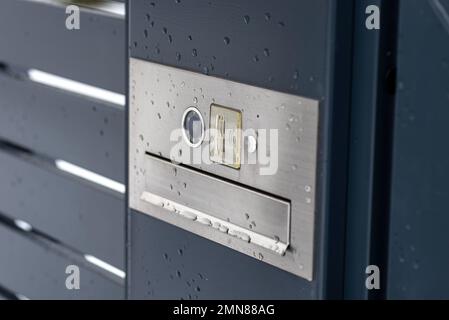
(77, 213)
(38, 272)
(80, 216)
(34, 35)
(64, 126)
(418, 259)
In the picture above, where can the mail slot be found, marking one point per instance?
(233, 163)
(247, 214)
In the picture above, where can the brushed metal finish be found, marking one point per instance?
(247, 209)
(159, 95)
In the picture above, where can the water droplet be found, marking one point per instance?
(226, 40)
(294, 167)
(307, 188)
(159, 116)
(180, 252)
(178, 56)
(170, 38)
(260, 256)
(267, 16)
(287, 127)
(296, 75)
(164, 30)
(246, 216)
(178, 273)
(190, 38)
(246, 19)
(141, 137)
(145, 33)
(182, 84)
(281, 23)
(266, 52)
(195, 100)
(256, 58)
(194, 52)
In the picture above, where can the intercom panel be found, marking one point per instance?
(230, 162)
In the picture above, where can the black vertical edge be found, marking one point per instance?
(334, 147)
(128, 212)
(370, 155)
(384, 143)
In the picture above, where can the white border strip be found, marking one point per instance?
(109, 6)
(90, 176)
(55, 81)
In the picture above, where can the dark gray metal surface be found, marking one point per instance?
(34, 35)
(373, 97)
(418, 260)
(245, 41)
(170, 263)
(55, 124)
(38, 272)
(62, 125)
(77, 213)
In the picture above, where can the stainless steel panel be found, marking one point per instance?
(178, 190)
(284, 166)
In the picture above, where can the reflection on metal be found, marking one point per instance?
(263, 204)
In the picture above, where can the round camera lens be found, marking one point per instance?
(193, 127)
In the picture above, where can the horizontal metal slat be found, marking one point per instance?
(34, 35)
(81, 215)
(38, 272)
(61, 125)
